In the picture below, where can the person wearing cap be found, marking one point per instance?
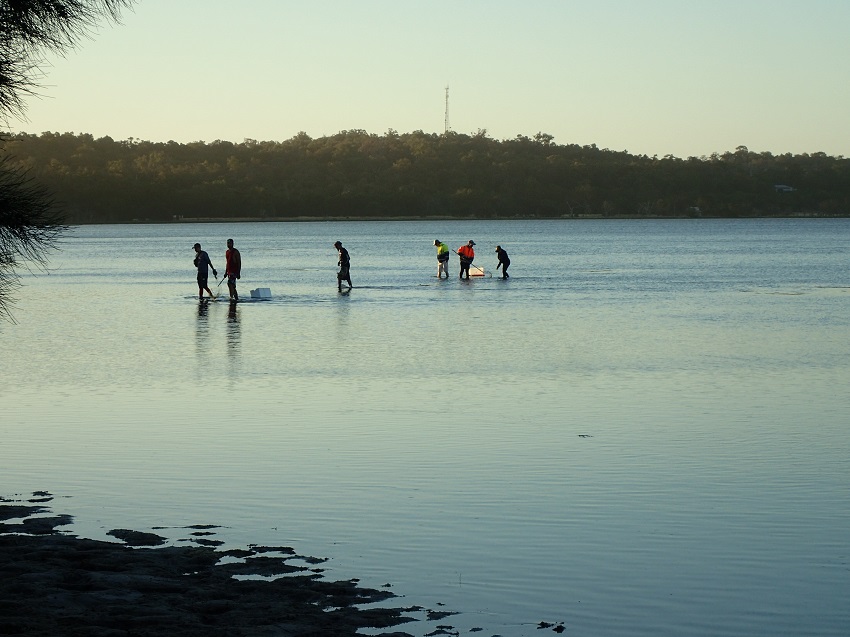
(203, 263)
(232, 269)
(504, 261)
(442, 258)
(466, 254)
(344, 264)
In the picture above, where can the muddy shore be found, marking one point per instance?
(54, 583)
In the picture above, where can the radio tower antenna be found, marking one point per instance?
(448, 128)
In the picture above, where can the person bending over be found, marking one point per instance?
(504, 261)
(442, 258)
(344, 264)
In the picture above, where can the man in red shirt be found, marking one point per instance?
(232, 268)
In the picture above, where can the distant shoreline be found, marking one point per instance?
(316, 219)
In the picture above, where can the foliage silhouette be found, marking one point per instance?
(29, 222)
(354, 174)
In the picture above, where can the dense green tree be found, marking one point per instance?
(354, 174)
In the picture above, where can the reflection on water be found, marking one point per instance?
(343, 313)
(207, 333)
(234, 338)
(202, 331)
(643, 433)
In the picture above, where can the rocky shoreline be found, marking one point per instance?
(53, 583)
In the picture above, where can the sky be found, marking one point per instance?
(655, 77)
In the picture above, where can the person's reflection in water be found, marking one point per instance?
(202, 331)
(343, 315)
(234, 333)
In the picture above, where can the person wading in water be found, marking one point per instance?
(203, 263)
(504, 261)
(442, 258)
(467, 255)
(232, 268)
(344, 264)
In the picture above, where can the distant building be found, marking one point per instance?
(783, 188)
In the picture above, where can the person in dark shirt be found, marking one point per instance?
(203, 263)
(504, 261)
(344, 263)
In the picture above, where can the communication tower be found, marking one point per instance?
(448, 128)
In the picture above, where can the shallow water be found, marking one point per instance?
(642, 432)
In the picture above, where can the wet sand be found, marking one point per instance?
(53, 583)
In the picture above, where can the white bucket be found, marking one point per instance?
(261, 293)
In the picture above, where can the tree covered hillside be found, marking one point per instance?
(354, 174)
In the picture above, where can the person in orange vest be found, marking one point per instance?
(467, 255)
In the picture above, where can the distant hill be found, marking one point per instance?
(356, 175)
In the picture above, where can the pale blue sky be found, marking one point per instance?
(680, 77)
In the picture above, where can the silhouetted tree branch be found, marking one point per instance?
(30, 29)
(29, 227)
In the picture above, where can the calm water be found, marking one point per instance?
(643, 432)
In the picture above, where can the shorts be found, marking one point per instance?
(443, 259)
(343, 274)
(202, 280)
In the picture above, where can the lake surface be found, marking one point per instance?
(643, 432)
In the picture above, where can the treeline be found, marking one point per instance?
(354, 174)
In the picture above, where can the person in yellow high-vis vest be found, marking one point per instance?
(442, 258)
